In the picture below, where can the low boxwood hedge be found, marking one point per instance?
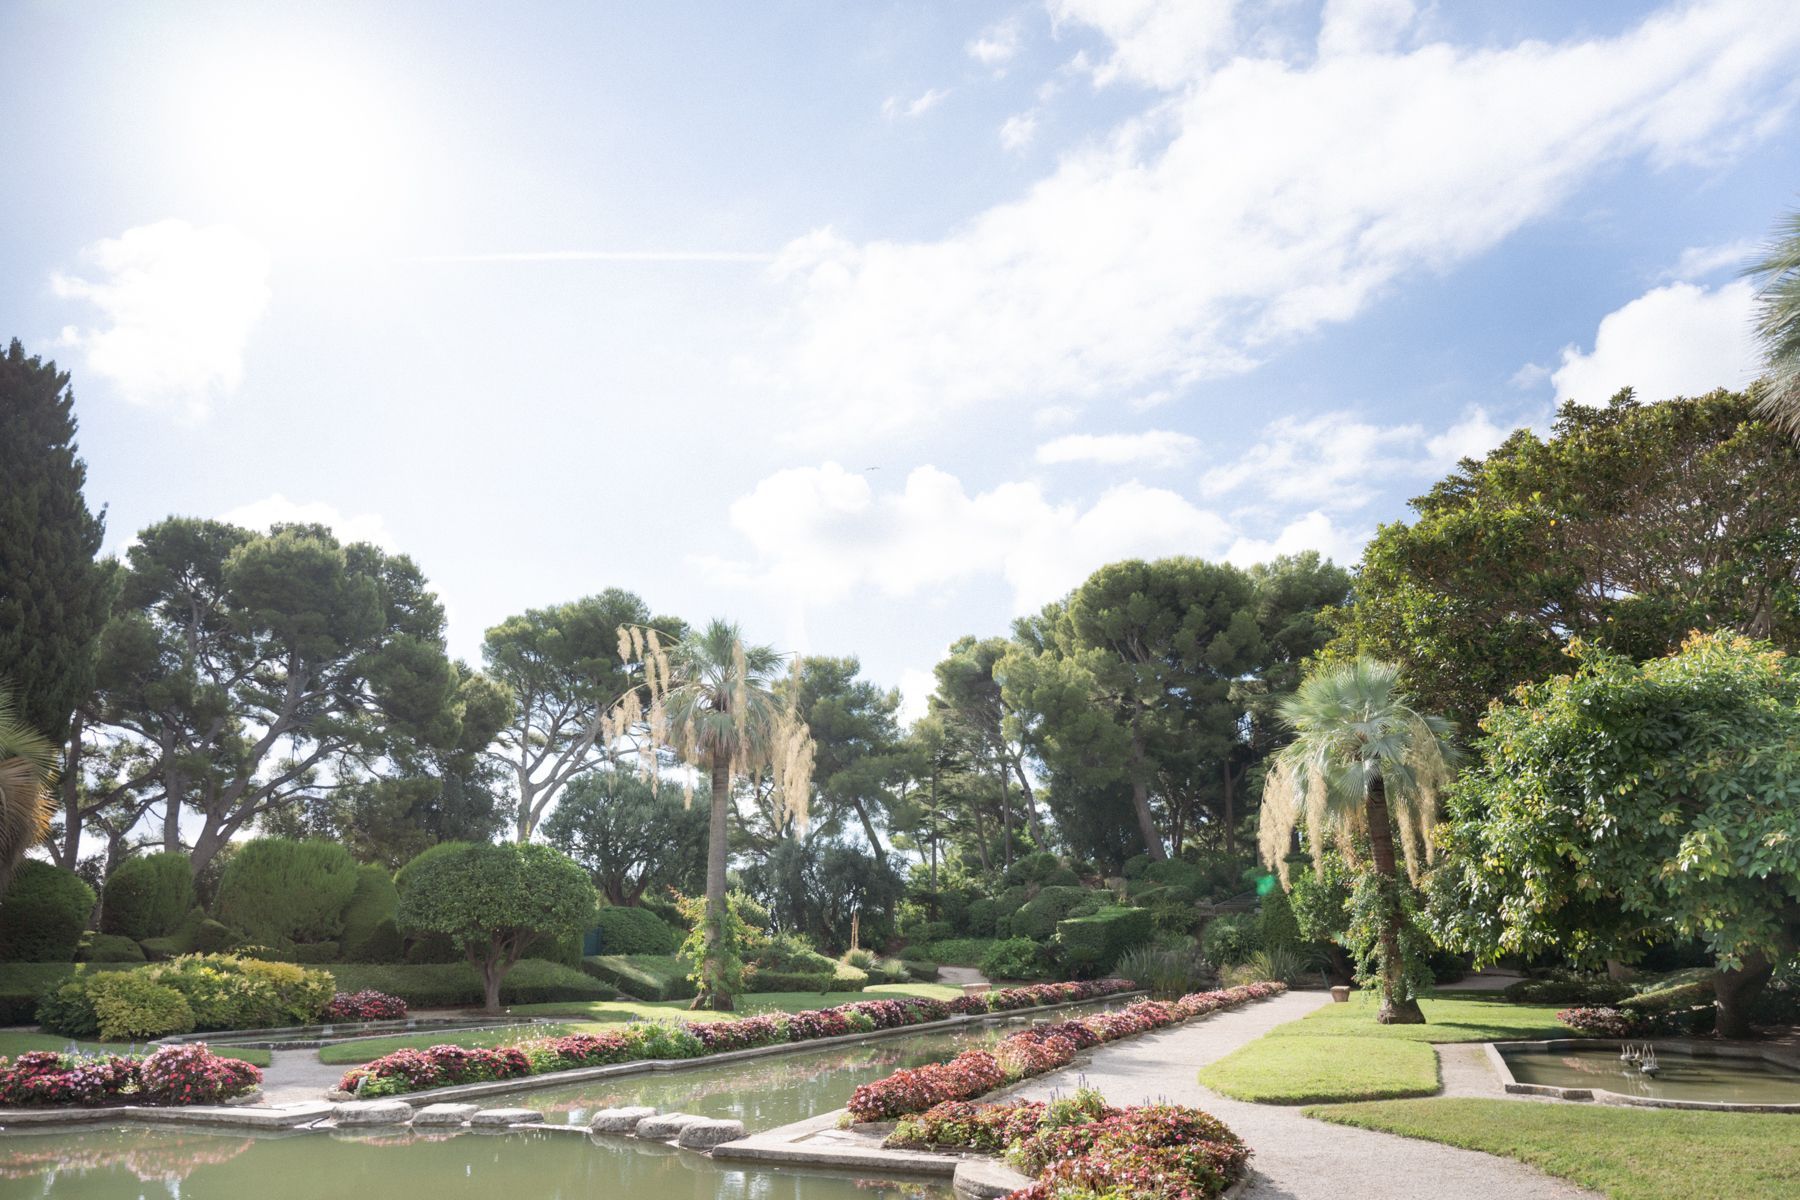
(642, 976)
(457, 985)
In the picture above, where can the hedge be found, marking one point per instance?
(148, 896)
(112, 948)
(961, 952)
(626, 930)
(278, 890)
(43, 913)
(22, 986)
(1037, 919)
(455, 985)
(370, 935)
(643, 976)
(1091, 945)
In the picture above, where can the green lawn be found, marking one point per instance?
(1448, 1018)
(1310, 1070)
(364, 1049)
(1627, 1153)
(748, 1004)
(19, 1043)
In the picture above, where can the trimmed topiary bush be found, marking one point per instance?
(148, 896)
(1276, 924)
(212, 937)
(1232, 939)
(277, 890)
(1014, 958)
(43, 913)
(130, 1006)
(111, 948)
(1090, 946)
(1037, 920)
(631, 930)
(370, 934)
(981, 917)
(1595, 993)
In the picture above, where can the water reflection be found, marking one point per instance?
(1682, 1076)
(116, 1164)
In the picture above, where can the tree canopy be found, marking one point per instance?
(632, 838)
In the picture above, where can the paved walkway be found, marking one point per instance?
(1298, 1158)
(298, 1075)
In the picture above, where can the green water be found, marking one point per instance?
(135, 1163)
(1682, 1077)
(762, 1093)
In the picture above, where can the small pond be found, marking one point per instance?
(1681, 1076)
(135, 1163)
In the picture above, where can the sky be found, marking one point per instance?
(867, 325)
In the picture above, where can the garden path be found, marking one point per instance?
(957, 976)
(1296, 1158)
(298, 1075)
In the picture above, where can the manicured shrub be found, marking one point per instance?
(1584, 992)
(452, 985)
(370, 934)
(43, 913)
(111, 948)
(1231, 939)
(921, 970)
(759, 979)
(1276, 924)
(643, 976)
(316, 952)
(982, 918)
(1014, 958)
(130, 1006)
(631, 930)
(366, 1005)
(69, 1010)
(277, 890)
(961, 952)
(148, 896)
(1090, 946)
(1037, 919)
(213, 937)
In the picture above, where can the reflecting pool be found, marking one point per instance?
(1679, 1077)
(134, 1162)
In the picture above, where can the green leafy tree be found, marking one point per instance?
(855, 739)
(1778, 322)
(53, 593)
(494, 902)
(969, 691)
(713, 707)
(1363, 762)
(240, 666)
(563, 667)
(1629, 801)
(631, 837)
(27, 768)
(1629, 526)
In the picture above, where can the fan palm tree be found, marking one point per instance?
(713, 705)
(1362, 762)
(1778, 322)
(27, 769)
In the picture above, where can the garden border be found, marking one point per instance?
(1687, 1046)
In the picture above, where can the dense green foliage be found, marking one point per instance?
(1231, 939)
(1629, 801)
(1089, 946)
(278, 891)
(42, 914)
(645, 976)
(371, 933)
(147, 896)
(1629, 526)
(53, 592)
(458, 985)
(635, 931)
(111, 948)
(204, 992)
(494, 902)
(632, 838)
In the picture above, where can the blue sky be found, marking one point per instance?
(866, 324)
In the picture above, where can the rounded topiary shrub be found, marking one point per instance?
(148, 896)
(370, 935)
(635, 931)
(43, 913)
(111, 948)
(277, 890)
(1038, 918)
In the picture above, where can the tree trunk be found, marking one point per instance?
(1140, 799)
(712, 993)
(1735, 991)
(1230, 811)
(1006, 841)
(491, 974)
(934, 840)
(981, 838)
(1032, 819)
(868, 824)
(1396, 1008)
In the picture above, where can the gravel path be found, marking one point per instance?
(1298, 1158)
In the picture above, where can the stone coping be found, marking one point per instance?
(497, 1087)
(311, 1037)
(278, 1116)
(1691, 1047)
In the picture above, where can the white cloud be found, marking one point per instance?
(1156, 447)
(894, 107)
(1678, 340)
(997, 45)
(1363, 26)
(1054, 416)
(1699, 261)
(1018, 131)
(1141, 264)
(178, 305)
(1314, 531)
(916, 687)
(277, 509)
(821, 533)
(1338, 462)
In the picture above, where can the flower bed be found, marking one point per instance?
(1631, 1022)
(1081, 1147)
(187, 1074)
(1032, 1052)
(366, 1005)
(443, 1066)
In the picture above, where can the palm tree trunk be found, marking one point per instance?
(1397, 1008)
(712, 993)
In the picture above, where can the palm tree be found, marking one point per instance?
(27, 769)
(713, 705)
(1362, 761)
(1778, 322)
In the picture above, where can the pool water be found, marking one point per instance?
(1682, 1077)
(135, 1163)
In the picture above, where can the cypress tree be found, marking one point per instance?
(53, 593)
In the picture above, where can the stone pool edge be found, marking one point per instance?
(1694, 1048)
